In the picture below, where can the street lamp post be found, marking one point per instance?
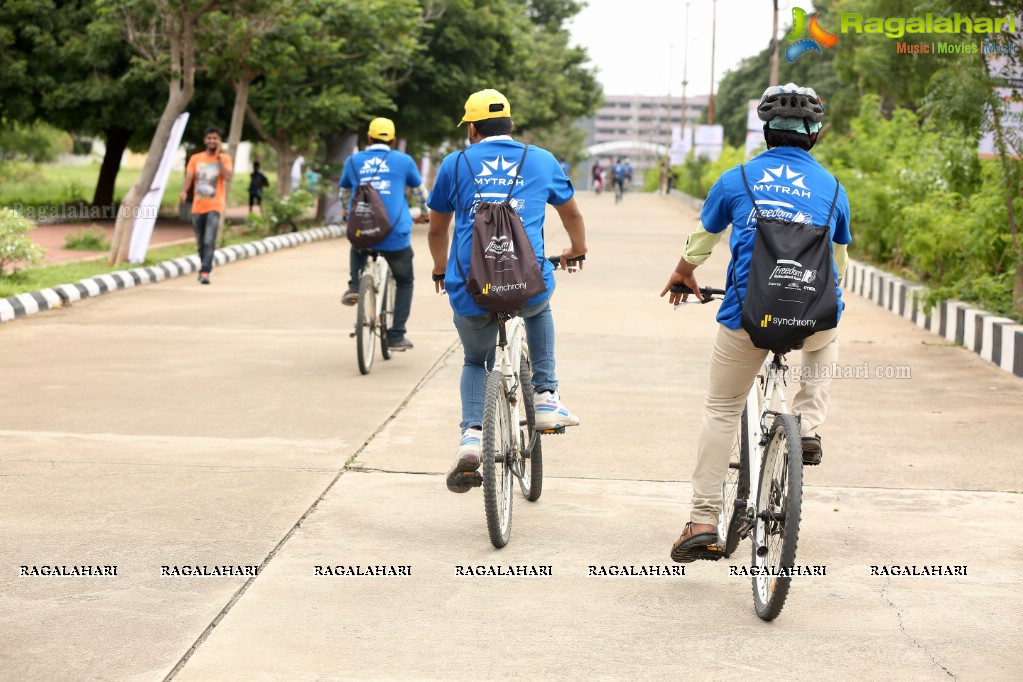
(713, 36)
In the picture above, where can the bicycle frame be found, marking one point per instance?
(765, 399)
(510, 342)
(379, 270)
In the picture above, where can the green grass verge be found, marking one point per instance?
(35, 279)
(51, 184)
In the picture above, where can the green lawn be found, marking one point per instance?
(52, 184)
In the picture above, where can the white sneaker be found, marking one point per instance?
(467, 460)
(550, 413)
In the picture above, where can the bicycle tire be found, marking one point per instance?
(531, 481)
(387, 315)
(365, 324)
(735, 489)
(497, 472)
(781, 494)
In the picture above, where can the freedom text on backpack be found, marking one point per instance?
(368, 222)
(790, 291)
(503, 272)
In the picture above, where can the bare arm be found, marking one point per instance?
(225, 170)
(437, 238)
(189, 179)
(572, 219)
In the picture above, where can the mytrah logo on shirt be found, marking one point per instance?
(374, 165)
(818, 36)
(783, 180)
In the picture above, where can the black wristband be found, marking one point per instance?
(438, 278)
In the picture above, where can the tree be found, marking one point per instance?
(163, 32)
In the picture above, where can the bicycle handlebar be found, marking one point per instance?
(708, 293)
(572, 262)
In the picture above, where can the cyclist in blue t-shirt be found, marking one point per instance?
(787, 183)
(618, 175)
(492, 159)
(391, 172)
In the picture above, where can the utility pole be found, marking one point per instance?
(667, 114)
(774, 48)
(713, 37)
(685, 63)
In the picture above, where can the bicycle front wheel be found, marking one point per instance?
(735, 489)
(779, 502)
(497, 459)
(387, 315)
(366, 324)
(531, 480)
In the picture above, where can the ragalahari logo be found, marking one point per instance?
(818, 36)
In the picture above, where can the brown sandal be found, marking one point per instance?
(696, 546)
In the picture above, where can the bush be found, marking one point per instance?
(15, 246)
(91, 239)
(286, 212)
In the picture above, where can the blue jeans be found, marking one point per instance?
(479, 338)
(205, 226)
(400, 263)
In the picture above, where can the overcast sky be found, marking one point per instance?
(637, 45)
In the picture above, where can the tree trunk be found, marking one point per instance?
(337, 148)
(284, 160)
(181, 36)
(234, 135)
(116, 142)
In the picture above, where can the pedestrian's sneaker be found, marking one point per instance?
(467, 461)
(550, 413)
(399, 343)
(350, 297)
(204, 278)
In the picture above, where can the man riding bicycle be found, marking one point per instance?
(486, 169)
(618, 175)
(789, 183)
(390, 172)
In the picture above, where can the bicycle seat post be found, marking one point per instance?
(502, 331)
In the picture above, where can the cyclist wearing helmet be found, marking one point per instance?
(788, 184)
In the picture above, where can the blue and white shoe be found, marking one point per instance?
(467, 460)
(550, 413)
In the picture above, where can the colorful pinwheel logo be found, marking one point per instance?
(818, 36)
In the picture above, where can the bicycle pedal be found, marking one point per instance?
(473, 478)
(555, 431)
(710, 553)
(352, 335)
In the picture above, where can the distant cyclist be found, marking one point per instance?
(492, 159)
(597, 175)
(391, 172)
(790, 183)
(618, 178)
(628, 172)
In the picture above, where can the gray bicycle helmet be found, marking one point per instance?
(790, 101)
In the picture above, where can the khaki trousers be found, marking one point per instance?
(734, 364)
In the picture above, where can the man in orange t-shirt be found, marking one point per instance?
(210, 170)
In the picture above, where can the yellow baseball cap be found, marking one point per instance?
(485, 104)
(381, 129)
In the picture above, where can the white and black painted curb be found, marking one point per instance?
(24, 305)
(996, 339)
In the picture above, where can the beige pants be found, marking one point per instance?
(733, 366)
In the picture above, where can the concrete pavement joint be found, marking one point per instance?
(430, 373)
(898, 615)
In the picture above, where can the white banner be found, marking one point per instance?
(708, 141)
(150, 205)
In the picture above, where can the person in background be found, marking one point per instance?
(257, 184)
(210, 171)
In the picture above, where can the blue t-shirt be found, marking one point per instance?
(787, 184)
(392, 175)
(493, 162)
(618, 172)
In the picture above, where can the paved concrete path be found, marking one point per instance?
(228, 425)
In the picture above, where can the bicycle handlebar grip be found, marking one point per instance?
(680, 289)
(556, 260)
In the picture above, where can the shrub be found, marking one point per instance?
(91, 239)
(15, 246)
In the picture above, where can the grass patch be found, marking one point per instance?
(87, 239)
(35, 279)
(53, 184)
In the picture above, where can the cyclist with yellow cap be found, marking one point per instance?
(391, 172)
(487, 170)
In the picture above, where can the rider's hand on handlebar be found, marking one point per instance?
(688, 280)
(568, 255)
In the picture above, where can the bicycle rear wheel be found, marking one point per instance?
(779, 502)
(531, 480)
(387, 315)
(366, 324)
(735, 489)
(497, 456)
